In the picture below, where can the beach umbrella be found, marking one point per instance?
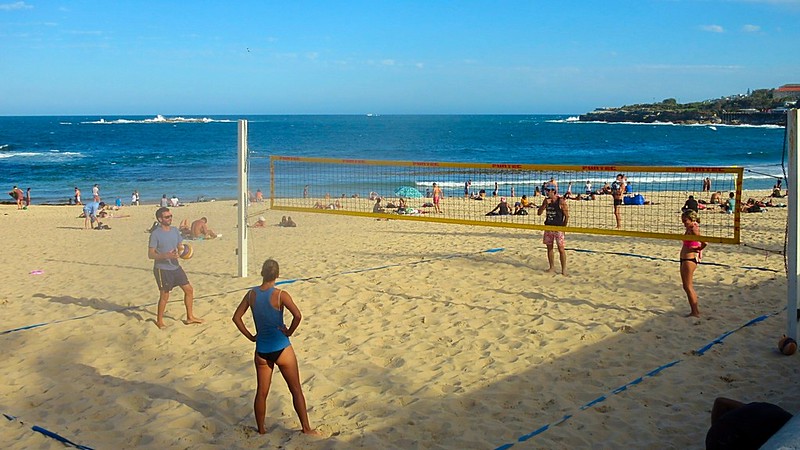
(408, 192)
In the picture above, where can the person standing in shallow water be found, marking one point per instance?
(272, 343)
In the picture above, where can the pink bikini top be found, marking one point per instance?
(692, 244)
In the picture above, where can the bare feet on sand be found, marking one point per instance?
(161, 325)
(193, 320)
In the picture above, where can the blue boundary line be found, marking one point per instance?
(699, 352)
(50, 434)
(295, 280)
(66, 441)
(655, 258)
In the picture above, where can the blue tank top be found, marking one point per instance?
(269, 321)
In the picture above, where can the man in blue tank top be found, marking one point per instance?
(557, 215)
(163, 250)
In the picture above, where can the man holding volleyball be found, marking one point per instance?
(163, 249)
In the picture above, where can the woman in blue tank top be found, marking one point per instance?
(272, 343)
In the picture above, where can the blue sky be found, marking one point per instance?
(386, 57)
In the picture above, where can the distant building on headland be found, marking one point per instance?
(788, 91)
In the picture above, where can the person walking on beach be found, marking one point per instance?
(163, 250)
(28, 197)
(96, 192)
(691, 252)
(437, 196)
(77, 196)
(617, 190)
(557, 215)
(272, 343)
(18, 196)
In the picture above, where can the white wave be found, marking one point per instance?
(777, 127)
(505, 182)
(65, 123)
(50, 155)
(4, 146)
(11, 155)
(160, 119)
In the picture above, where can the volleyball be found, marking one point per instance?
(787, 345)
(185, 251)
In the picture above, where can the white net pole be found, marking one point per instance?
(243, 198)
(794, 219)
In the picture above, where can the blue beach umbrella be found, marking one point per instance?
(407, 192)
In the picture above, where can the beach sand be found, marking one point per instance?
(414, 335)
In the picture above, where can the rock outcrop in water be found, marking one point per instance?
(758, 108)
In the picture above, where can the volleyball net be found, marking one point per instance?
(473, 194)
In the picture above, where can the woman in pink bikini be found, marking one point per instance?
(691, 252)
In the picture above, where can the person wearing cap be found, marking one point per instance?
(557, 215)
(261, 222)
(90, 212)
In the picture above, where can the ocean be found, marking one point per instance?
(195, 156)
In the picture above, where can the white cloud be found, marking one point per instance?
(751, 28)
(420, 65)
(713, 28)
(688, 68)
(15, 6)
(388, 62)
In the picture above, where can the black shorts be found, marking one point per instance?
(617, 202)
(168, 279)
(271, 356)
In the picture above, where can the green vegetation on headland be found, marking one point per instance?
(760, 107)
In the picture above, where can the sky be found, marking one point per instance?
(247, 57)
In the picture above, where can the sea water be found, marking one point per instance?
(195, 156)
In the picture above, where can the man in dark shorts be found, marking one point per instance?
(617, 191)
(163, 250)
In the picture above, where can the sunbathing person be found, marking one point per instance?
(501, 209)
(200, 229)
(260, 223)
(377, 208)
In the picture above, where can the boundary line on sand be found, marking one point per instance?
(50, 434)
(294, 280)
(699, 352)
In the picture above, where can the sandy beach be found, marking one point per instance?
(414, 335)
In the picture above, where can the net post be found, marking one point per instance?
(243, 199)
(794, 219)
